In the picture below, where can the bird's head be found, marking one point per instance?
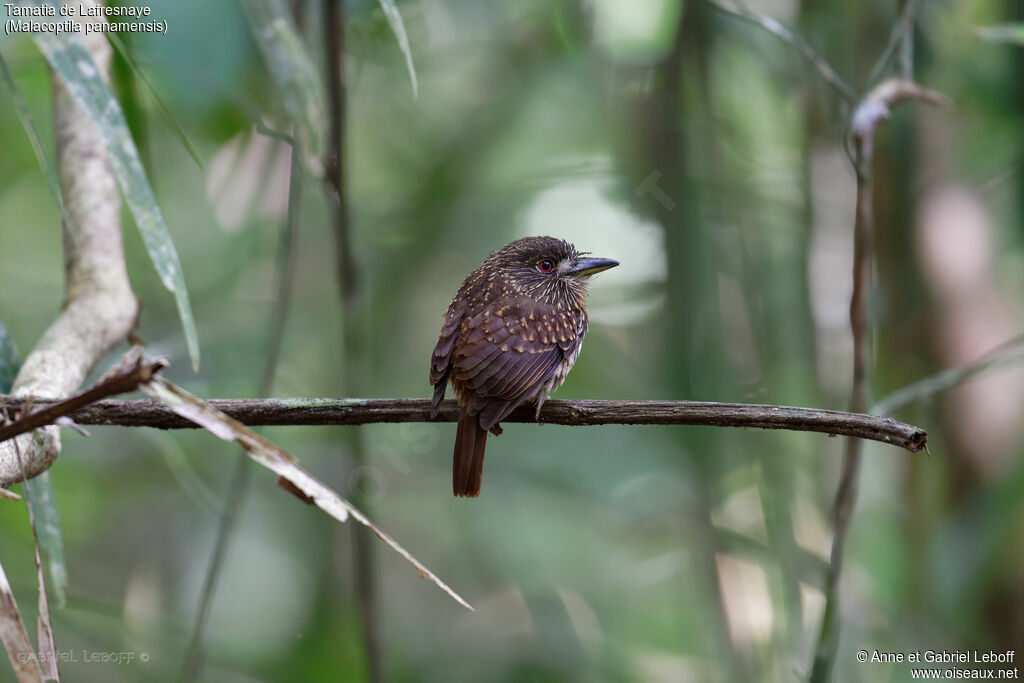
(548, 269)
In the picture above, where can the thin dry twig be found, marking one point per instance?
(899, 39)
(363, 550)
(1009, 352)
(872, 110)
(337, 96)
(356, 411)
(812, 56)
(876, 107)
(125, 379)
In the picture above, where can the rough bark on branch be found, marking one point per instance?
(123, 380)
(353, 411)
(99, 309)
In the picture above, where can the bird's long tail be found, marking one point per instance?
(468, 465)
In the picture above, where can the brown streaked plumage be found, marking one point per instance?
(510, 336)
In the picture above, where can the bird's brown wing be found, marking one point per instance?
(440, 359)
(507, 355)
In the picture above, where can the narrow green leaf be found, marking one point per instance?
(9, 359)
(1002, 33)
(73, 65)
(49, 170)
(126, 89)
(41, 494)
(122, 50)
(398, 27)
(43, 499)
(295, 77)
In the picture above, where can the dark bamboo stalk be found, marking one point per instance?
(364, 549)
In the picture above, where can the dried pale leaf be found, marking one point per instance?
(44, 629)
(281, 463)
(46, 648)
(876, 105)
(196, 411)
(15, 637)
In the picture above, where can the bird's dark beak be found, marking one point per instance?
(585, 267)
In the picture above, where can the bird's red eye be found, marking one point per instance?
(545, 266)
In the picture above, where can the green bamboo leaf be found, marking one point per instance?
(41, 494)
(9, 359)
(398, 27)
(1002, 33)
(295, 77)
(73, 65)
(43, 498)
(49, 170)
(126, 89)
(122, 50)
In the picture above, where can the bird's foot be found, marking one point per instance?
(540, 404)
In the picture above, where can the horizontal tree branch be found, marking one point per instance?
(122, 380)
(354, 411)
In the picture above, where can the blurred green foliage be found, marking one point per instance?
(605, 553)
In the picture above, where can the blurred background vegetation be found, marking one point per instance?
(708, 157)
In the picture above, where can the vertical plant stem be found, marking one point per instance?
(846, 494)
(364, 550)
(901, 44)
(195, 656)
(908, 10)
(334, 25)
(872, 110)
